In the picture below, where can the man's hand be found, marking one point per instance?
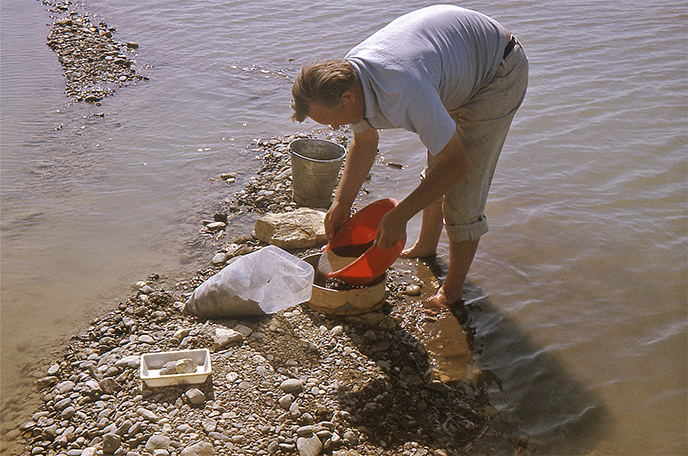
(390, 230)
(335, 218)
(359, 160)
(451, 165)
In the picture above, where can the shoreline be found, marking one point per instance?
(350, 371)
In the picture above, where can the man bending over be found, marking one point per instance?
(451, 75)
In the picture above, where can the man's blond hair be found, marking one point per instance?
(322, 83)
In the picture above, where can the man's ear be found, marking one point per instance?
(348, 96)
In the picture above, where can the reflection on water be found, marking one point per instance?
(533, 392)
(444, 336)
(557, 413)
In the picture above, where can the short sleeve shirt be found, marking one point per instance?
(424, 64)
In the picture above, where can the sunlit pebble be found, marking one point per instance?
(412, 290)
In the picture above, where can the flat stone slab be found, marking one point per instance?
(302, 228)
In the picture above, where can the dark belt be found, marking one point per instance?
(510, 46)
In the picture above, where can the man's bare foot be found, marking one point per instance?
(440, 301)
(418, 252)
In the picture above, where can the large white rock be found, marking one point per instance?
(301, 229)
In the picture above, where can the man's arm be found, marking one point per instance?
(452, 164)
(359, 160)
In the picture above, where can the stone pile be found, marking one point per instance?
(94, 63)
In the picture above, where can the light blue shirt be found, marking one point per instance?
(424, 64)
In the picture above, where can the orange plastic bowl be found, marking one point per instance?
(356, 238)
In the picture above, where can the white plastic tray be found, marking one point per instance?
(151, 363)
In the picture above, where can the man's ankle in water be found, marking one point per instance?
(418, 251)
(442, 300)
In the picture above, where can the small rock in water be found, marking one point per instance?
(219, 258)
(412, 290)
(215, 226)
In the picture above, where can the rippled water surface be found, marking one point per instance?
(585, 263)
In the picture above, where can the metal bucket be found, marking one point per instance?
(315, 165)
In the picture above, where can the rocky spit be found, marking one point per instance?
(297, 382)
(94, 63)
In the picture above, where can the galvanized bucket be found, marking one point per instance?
(315, 165)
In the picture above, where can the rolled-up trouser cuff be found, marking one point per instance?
(467, 232)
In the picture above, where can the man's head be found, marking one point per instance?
(328, 92)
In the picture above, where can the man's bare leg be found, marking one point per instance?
(430, 231)
(460, 258)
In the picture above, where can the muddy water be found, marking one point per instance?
(585, 263)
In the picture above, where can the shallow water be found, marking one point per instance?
(585, 262)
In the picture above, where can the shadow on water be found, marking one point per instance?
(533, 392)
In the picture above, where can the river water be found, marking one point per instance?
(585, 263)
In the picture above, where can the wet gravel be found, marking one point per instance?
(94, 63)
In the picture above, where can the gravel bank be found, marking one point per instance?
(94, 63)
(294, 383)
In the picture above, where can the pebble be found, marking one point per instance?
(157, 442)
(111, 443)
(291, 385)
(286, 401)
(215, 226)
(146, 339)
(219, 258)
(199, 449)
(147, 415)
(224, 337)
(195, 396)
(309, 446)
(412, 290)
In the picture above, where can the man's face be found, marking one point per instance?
(348, 112)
